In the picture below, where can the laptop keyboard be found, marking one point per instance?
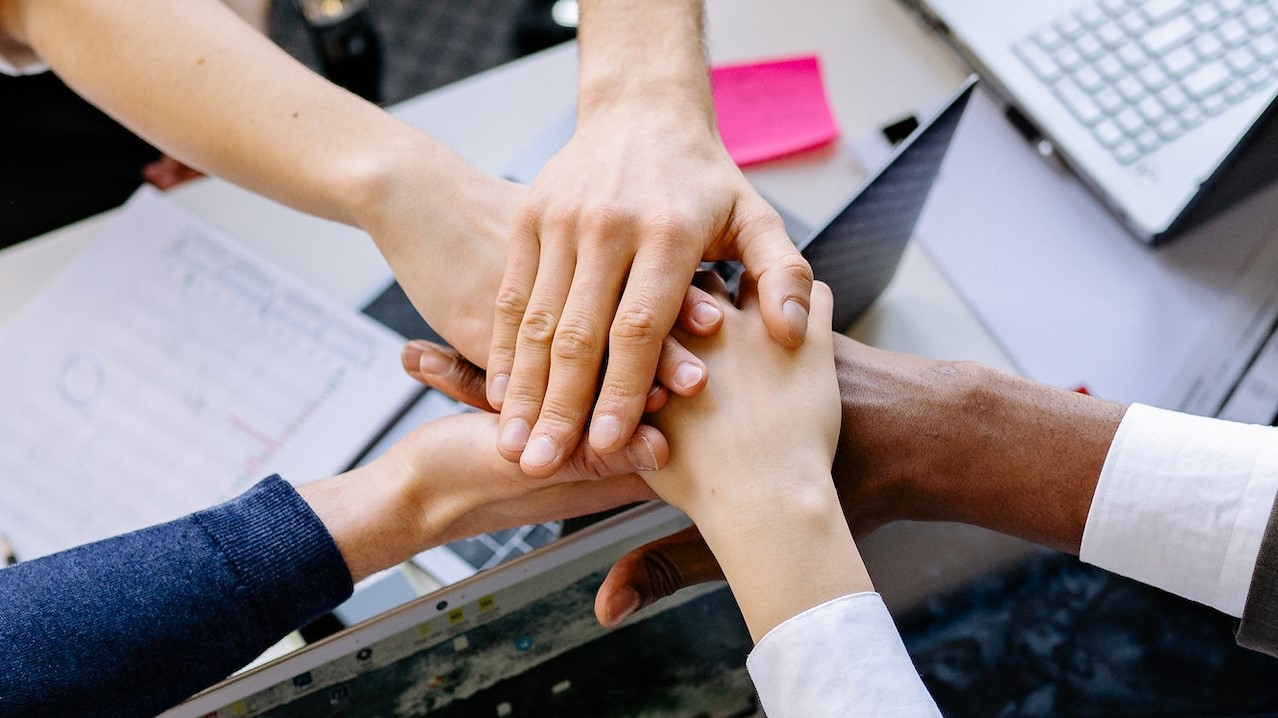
(488, 550)
(1140, 73)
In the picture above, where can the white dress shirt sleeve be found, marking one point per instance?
(1182, 504)
(841, 659)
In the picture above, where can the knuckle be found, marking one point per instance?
(575, 342)
(636, 325)
(560, 219)
(663, 574)
(670, 227)
(538, 326)
(603, 221)
(510, 304)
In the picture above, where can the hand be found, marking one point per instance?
(925, 440)
(602, 251)
(444, 482)
(167, 173)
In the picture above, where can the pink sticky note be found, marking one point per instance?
(771, 109)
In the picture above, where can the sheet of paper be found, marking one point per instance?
(167, 370)
(1069, 294)
(772, 109)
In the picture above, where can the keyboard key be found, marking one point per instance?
(1232, 33)
(1191, 116)
(1109, 134)
(1133, 56)
(1078, 102)
(1168, 35)
(1068, 58)
(1169, 129)
(1153, 77)
(1241, 60)
(1173, 98)
(1215, 104)
(1091, 17)
(1229, 7)
(1109, 100)
(1236, 90)
(1266, 47)
(1205, 15)
(1113, 7)
(1089, 47)
(1258, 20)
(1208, 46)
(1206, 80)
(1147, 140)
(1111, 35)
(1126, 153)
(1180, 61)
(1039, 62)
(1069, 27)
(1152, 110)
(1049, 39)
(1158, 10)
(1130, 122)
(1110, 68)
(1089, 79)
(1132, 22)
(1131, 89)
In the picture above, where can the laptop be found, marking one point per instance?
(1163, 108)
(518, 641)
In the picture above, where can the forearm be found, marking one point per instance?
(645, 52)
(198, 82)
(134, 624)
(783, 557)
(961, 442)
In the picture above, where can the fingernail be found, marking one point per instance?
(497, 389)
(687, 375)
(410, 355)
(539, 451)
(621, 605)
(514, 436)
(434, 362)
(705, 314)
(796, 315)
(641, 454)
(605, 431)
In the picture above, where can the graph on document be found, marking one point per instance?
(169, 370)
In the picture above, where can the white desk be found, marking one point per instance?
(878, 65)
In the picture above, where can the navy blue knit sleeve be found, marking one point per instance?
(135, 624)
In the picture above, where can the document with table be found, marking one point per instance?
(167, 370)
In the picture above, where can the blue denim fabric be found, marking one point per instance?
(135, 624)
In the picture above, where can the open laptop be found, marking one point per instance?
(1163, 108)
(518, 641)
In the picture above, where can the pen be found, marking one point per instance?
(6, 551)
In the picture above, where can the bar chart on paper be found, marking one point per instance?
(167, 370)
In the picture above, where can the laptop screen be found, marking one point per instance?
(520, 640)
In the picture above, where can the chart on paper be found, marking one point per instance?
(168, 370)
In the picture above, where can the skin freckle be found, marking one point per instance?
(295, 115)
(200, 61)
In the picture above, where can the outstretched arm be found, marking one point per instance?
(134, 624)
(612, 231)
(201, 84)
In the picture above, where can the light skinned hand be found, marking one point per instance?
(601, 253)
(750, 464)
(444, 482)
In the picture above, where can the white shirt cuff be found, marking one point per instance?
(1182, 504)
(842, 658)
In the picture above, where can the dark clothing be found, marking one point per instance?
(1259, 627)
(135, 624)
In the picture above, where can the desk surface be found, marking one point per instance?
(878, 64)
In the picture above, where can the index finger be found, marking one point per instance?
(649, 306)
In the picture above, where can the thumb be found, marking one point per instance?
(784, 281)
(654, 571)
